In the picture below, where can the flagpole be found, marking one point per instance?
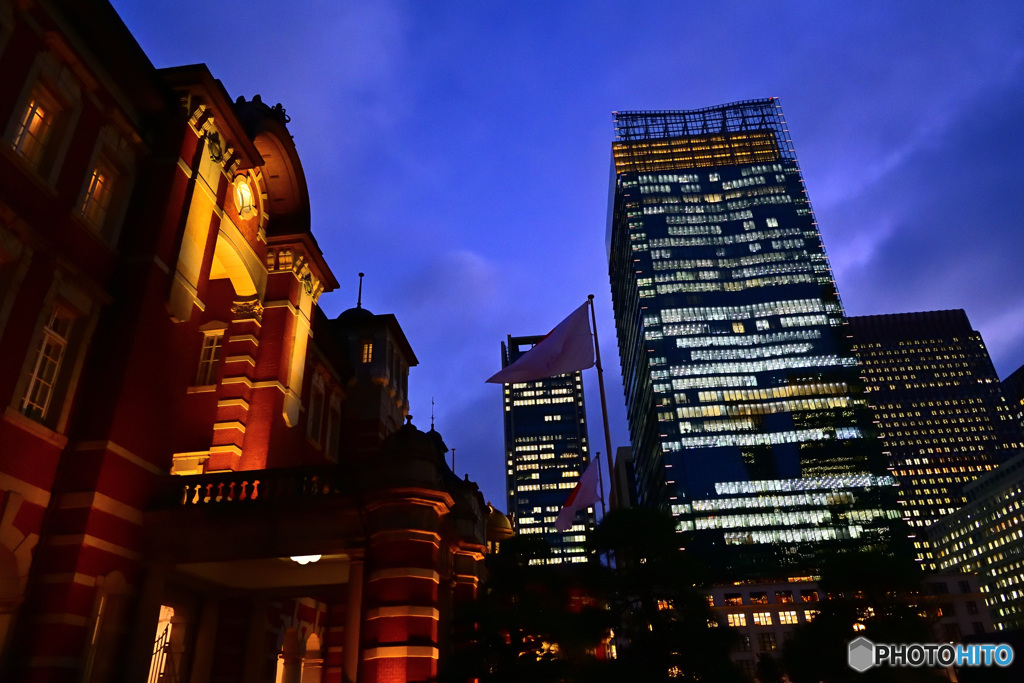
(604, 407)
(600, 484)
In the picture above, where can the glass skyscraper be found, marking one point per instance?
(746, 414)
(546, 451)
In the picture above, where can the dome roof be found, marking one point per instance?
(355, 316)
(497, 521)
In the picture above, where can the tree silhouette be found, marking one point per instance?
(665, 627)
(872, 594)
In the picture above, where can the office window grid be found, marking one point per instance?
(731, 332)
(546, 452)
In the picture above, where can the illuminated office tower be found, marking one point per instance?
(746, 416)
(938, 404)
(984, 537)
(546, 451)
(1013, 390)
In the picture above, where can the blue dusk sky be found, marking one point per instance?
(458, 153)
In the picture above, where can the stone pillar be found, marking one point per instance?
(353, 620)
(312, 663)
(206, 640)
(402, 594)
(255, 640)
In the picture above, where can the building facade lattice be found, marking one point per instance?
(736, 361)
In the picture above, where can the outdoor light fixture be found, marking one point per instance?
(305, 559)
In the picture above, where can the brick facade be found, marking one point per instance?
(179, 418)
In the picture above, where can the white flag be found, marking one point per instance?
(583, 495)
(567, 348)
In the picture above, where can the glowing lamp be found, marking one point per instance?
(305, 559)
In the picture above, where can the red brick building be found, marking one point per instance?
(202, 477)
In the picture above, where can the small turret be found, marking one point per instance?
(379, 389)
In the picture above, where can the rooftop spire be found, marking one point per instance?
(359, 299)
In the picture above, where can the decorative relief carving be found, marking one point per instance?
(250, 309)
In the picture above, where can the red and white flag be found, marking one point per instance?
(567, 348)
(583, 495)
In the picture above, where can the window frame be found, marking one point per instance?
(317, 402)
(27, 142)
(736, 619)
(766, 642)
(52, 77)
(83, 312)
(209, 368)
(31, 404)
(95, 206)
(114, 155)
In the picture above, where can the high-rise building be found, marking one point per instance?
(938, 405)
(546, 451)
(984, 537)
(743, 398)
(1013, 391)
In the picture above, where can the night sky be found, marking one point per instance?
(459, 154)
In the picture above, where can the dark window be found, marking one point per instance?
(766, 642)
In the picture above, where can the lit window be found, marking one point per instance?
(46, 365)
(737, 620)
(209, 359)
(787, 617)
(36, 125)
(762, 618)
(98, 193)
(367, 352)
